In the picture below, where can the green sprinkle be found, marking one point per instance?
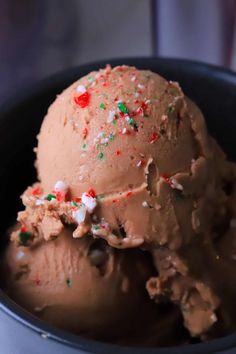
(49, 197)
(90, 79)
(100, 155)
(111, 137)
(171, 109)
(122, 107)
(97, 146)
(74, 203)
(84, 146)
(106, 144)
(24, 238)
(131, 121)
(102, 106)
(114, 122)
(100, 196)
(96, 227)
(69, 282)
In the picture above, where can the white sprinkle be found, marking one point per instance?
(39, 202)
(81, 178)
(127, 118)
(147, 101)
(79, 214)
(104, 140)
(89, 202)
(124, 131)
(233, 223)
(97, 76)
(20, 255)
(193, 161)
(141, 86)
(60, 186)
(145, 204)
(139, 163)
(175, 185)
(81, 89)
(111, 116)
(136, 94)
(133, 78)
(213, 318)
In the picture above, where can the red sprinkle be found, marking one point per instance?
(59, 196)
(118, 152)
(36, 191)
(82, 100)
(23, 228)
(85, 133)
(114, 200)
(129, 194)
(78, 200)
(92, 193)
(154, 137)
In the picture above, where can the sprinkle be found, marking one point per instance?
(81, 88)
(111, 116)
(50, 197)
(20, 255)
(24, 237)
(82, 100)
(153, 138)
(89, 202)
(124, 130)
(36, 191)
(141, 163)
(122, 107)
(141, 87)
(60, 186)
(129, 194)
(39, 201)
(102, 106)
(96, 227)
(118, 152)
(133, 78)
(80, 214)
(100, 155)
(111, 137)
(145, 204)
(85, 132)
(114, 122)
(73, 203)
(69, 282)
(90, 79)
(78, 200)
(92, 192)
(84, 147)
(175, 185)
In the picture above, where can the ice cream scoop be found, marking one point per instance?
(88, 288)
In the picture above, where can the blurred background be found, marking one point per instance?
(41, 37)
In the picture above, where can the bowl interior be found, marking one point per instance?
(212, 88)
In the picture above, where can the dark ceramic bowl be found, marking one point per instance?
(212, 88)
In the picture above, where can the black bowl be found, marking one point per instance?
(212, 88)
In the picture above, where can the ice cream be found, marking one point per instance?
(87, 287)
(124, 158)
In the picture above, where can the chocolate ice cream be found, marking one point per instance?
(124, 159)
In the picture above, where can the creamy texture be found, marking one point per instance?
(124, 158)
(89, 288)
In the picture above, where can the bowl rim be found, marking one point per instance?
(10, 308)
